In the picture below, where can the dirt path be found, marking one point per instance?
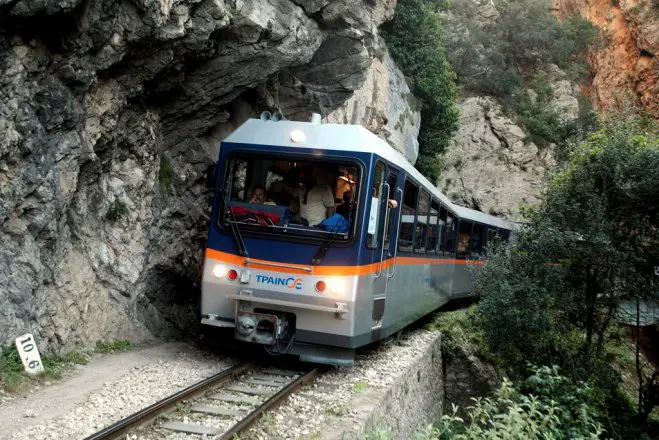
(60, 398)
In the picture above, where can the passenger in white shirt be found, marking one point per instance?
(316, 203)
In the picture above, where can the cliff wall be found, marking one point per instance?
(626, 62)
(110, 113)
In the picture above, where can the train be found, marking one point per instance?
(323, 239)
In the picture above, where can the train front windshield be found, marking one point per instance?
(315, 198)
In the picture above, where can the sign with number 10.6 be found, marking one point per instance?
(29, 353)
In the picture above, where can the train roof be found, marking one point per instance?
(345, 137)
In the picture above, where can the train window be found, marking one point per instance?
(433, 228)
(391, 180)
(492, 237)
(421, 231)
(464, 238)
(377, 207)
(443, 231)
(477, 233)
(310, 197)
(451, 234)
(407, 217)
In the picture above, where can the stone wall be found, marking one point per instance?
(413, 402)
(465, 376)
(112, 110)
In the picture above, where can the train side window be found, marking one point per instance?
(421, 232)
(477, 240)
(391, 180)
(492, 234)
(407, 218)
(464, 238)
(492, 237)
(451, 233)
(377, 207)
(442, 231)
(433, 228)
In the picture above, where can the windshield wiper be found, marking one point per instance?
(322, 250)
(325, 245)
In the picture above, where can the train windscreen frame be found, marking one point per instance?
(267, 194)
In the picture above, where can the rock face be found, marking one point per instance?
(490, 166)
(110, 113)
(627, 61)
(382, 105)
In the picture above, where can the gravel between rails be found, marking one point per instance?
(304, 414)
(141, 386)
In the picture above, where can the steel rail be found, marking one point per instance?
(122, 426)
(270, 403)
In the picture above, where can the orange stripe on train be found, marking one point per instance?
(331, 270)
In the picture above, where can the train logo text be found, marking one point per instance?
(291, 283)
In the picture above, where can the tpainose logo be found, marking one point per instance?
(291, 283)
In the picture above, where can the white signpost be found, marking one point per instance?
(29, 353)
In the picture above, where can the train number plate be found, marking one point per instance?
(29, 353)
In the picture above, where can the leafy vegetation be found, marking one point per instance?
(546, 406)
(460, 328)
(359, 386)
(113, 346)
(493, 56)
(552, 298)
(415, 39)
(116, 211)
(166, 175)
(12, 375)
(506, 55)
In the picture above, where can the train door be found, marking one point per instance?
(386, 226)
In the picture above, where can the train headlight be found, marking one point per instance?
(337, 286)
(298, 136)
(219, 271)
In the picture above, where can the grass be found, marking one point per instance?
(14, 379)
(113, 346)
(336, 409)
(359, 386)
(459, 329)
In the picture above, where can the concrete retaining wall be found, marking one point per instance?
(411, 403)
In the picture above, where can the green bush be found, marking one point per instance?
(116, 211)
(415, 40)
(551, 298)
(460, 328)
(544, 406)
(495, 57)
(113, 346)
(491, 56)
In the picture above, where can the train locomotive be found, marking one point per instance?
(323, 239)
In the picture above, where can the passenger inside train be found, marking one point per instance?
(308, 196)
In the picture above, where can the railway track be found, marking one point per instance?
(220, 406)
